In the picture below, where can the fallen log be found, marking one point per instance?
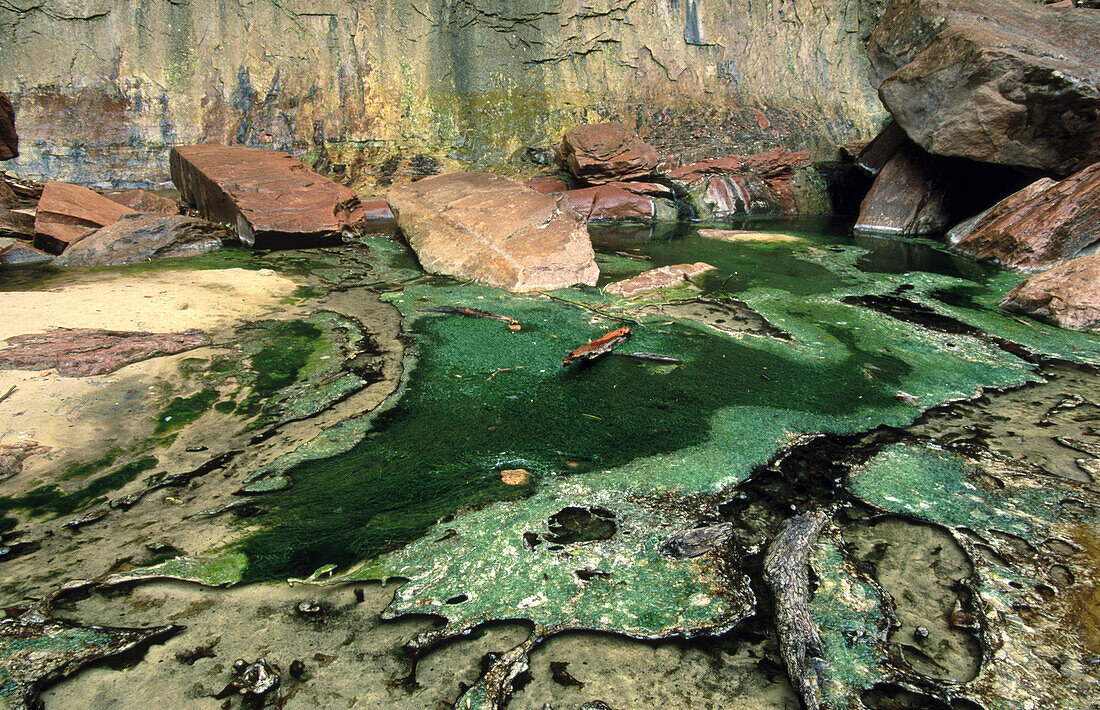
(786, 572)
(598, 347)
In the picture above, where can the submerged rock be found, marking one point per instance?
(9, 139)
(1067, 295)
(140, 237)
(494, 230)
(272, 199)
(1040, 225)
(67, 212)
(79, 352)
(656, 279)
(145, 201)
(605, 152)
(909, 196)
(1000, 81)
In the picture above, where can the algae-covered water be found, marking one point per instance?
(787, 380)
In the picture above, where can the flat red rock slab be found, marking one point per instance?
(1037, 227)
(271, 198)
(611, 202)
(775, 163)
(67, 212)
(656, 279)
(145, 201)
(80, 352)
(547, 185)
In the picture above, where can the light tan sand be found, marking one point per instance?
(738, 235)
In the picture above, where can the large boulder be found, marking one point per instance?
(1001, 81)
(9, 139)
(1067, 295)
(68, 212)
(910, 196)
(624, 201)
(605, 152)
(143, 237)
(494, 230)
(271, 198)
(1038, 226)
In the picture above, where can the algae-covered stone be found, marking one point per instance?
(494, 230)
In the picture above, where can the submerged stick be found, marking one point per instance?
(587, 307)
(7, 394)
(655, 357)
(787, 574)
(472, 313)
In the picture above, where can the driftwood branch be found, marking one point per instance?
(786, 570)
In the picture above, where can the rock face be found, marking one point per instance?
(910, 196)
(494, 230)
(9, 139)
(463, 84)
(1000, 81)
(145, 201)
(270, 197)
(1067, 295)
(656, 279)
(20, 255)
(79, 352)
(143, 237)
(624, 201)
(67, 212)
(606, 152)
(1040, 225)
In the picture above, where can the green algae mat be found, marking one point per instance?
(784, 341)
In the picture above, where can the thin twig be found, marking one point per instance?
(8, 393)
(587, 307)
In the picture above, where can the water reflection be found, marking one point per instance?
(895, 255)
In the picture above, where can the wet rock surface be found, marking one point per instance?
(1008, 82)
(909, 197)
(656, 279)
(9, 139)
(615, 201)
(1038, 226)
(80, 352)
(495, 231)
(269, 197)
(142, 237)
(67, 212)
(1067, 295)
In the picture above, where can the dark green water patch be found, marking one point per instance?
(895, 255)
(287, 348)
(84, 469)
(181, 411)
(50, 499)
(440, 448)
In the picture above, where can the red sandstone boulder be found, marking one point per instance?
(16, 223)
(876, 154)
(1038, 226)
(377, 211)
(9, 139)
(1067, 295)
(270, 197)
(145, 201)
(624, 201)
(909, 196)
(494, 230)
(1000, 81)
(656, 279)
(605, 152)
(143, 237)
(67, 212)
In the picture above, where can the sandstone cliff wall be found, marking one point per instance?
(378, 90)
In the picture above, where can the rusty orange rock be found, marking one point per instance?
(67, 212)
